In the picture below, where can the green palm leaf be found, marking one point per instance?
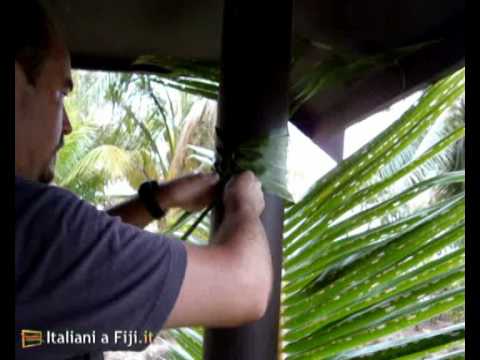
(115, 163)
(417, 347)
(356, 269)
(350, 279)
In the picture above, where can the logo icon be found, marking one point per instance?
(31, 338)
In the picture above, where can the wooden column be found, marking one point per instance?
(256, 52)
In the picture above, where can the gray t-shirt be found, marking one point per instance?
(84, 276)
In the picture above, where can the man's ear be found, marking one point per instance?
(22, 88)
(22, 85)
(20, 76)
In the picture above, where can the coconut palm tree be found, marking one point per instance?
(127, 148)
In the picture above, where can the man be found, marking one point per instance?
(80, 270)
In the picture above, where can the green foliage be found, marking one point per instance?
(99, 154)
(353, 275)
(351, 279)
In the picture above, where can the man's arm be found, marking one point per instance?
(191, 192)
(228, 283)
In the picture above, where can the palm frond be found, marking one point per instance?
(348, 283)
(191, 121)
(112, 162)
(357, 272)
(188, 344)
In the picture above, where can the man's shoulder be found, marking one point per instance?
(46, 209)
(23, 185)
(31, 195)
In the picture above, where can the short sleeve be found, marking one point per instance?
(80, 270)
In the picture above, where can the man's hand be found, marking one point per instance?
(190, 192)
(243, 193)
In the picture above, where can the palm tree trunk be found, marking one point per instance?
(256, 51)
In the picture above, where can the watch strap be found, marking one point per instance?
(146, 194)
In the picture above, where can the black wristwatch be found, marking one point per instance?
(146, 194)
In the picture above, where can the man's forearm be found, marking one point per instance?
(132, 212)
(191, 193)
(226, 283)
(243, 234)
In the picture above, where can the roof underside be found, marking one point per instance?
(111, 34)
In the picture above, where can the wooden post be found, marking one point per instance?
(256, 54)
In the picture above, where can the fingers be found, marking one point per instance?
(244, 192)
(245, 179)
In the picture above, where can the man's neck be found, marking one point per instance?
(23, 170)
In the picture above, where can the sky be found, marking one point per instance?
(302, 151)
